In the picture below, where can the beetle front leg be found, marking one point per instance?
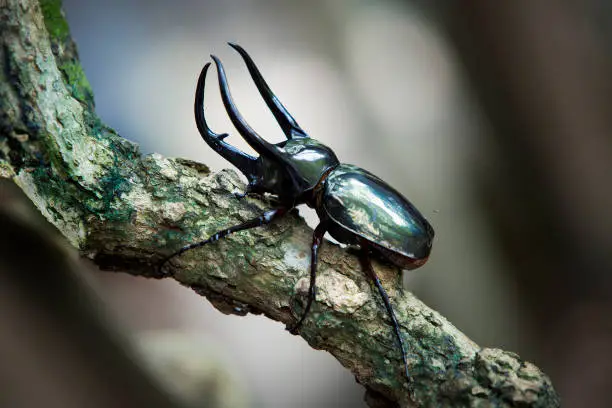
(317, 239)
(251, 188)
(263, 219)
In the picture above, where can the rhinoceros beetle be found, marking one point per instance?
(354, 206)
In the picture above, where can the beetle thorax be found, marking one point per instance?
(304, 162)
(310, 158)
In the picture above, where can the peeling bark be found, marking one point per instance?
(126, 211)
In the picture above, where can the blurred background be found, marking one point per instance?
(495, 120)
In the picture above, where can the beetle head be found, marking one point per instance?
(287, 169)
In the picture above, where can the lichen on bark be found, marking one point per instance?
(126, 211)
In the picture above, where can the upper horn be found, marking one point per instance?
(287, 123)
(258, 143)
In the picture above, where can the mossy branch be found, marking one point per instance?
(126, 211)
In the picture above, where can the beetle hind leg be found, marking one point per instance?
(365, 260)
(317, 239)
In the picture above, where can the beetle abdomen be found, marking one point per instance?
(363, 204)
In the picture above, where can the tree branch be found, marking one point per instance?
(126, 211)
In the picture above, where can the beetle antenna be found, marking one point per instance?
(383, 293)
(288, 124)
(244, 162)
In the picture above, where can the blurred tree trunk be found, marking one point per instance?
(543, 79)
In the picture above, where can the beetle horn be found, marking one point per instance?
(288, 124)
(244, 162)
(260, 145)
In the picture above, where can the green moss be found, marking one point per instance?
(115, 183)
(77, 82)
(59, 34)
(56, 24)
(55, 191)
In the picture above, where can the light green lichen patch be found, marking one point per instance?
(221, 201)
(340, 292)
(57, 211)
(229, 181)
(65, 52)
(514, 380)
(201, 169)
(165, 166)
(453, 336)
(296, 259)
(173, 212)
(140, 200)
(85, 158)
(6, 171)
(66, 139)
(501, 370)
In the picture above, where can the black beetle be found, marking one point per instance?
(354, 206)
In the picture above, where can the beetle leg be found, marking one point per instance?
(365, 258)
(317, 238)
(244, 162)
(288, 124)
(263, 219)
(251, 188)
(247, 191)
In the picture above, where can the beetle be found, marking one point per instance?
(354, 206)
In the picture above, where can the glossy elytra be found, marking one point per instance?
(354, 206)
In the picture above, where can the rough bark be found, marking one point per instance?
(126, 211)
